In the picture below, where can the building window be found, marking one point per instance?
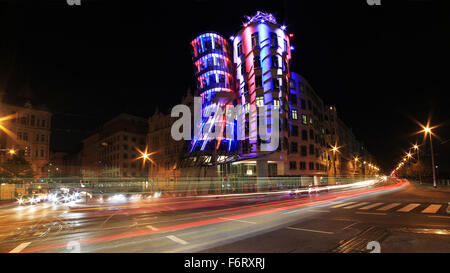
(19, 135)
(42, 153)
(275, 63)
(302, 165)
(294, 130)
(32, 120)
(292, 165)
(256, 61)
(42, 138)
(291, 84)
(303, 104)
(258, 81)
(260, 101)
(243, 69)
(294, 115)
(304, 120)
(239, 48)
(273, 40)
(293, 99)
(43, 122)
(311, 134)
(311, 165)
(303, 150)
(25, 136)
(294, 147)
(304, 135)
(247, 108)
(311, 149)
(276, 104)
(255, 40)
(276, 84)
(310, 119)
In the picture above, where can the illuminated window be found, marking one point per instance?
(255, 40)
(276, 104)
(304, 119)
(260, 101)
(294, 115)
(310, 119)
(247, 108)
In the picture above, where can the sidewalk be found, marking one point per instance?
(429, 187)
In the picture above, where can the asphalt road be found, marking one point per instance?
(402, 217)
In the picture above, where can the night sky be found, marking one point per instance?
(382, 66)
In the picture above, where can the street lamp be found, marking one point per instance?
(416, 147)
(334, 149)
(427, 130)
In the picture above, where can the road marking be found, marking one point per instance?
(248, 222)
(350, 225)
(439, 216)
(20, 247)
(371, 213)
(176, 239)
(409, 207)
(356, 205)
(371, 206)
(389, 206)
(344, 204)
(432, 208)
(152, 228)
(107, 219)
(311, 230)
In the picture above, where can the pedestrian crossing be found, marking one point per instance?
(424, 208)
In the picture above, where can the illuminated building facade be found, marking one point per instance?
(214, 70)
(262, 55)
(255, 72)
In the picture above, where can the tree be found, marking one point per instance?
(16, 166)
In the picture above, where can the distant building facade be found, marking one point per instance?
(26, 131)
(112, 151)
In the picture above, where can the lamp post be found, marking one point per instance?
(428, 130)
(334, 149)
(416, 147)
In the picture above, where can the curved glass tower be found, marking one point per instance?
(214, 72)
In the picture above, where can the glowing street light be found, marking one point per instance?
(427, 130)
(416, 147)
(12, 151)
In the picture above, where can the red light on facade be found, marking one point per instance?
(291, 35)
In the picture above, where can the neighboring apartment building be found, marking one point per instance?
(113, 149)
(26, 130)
(166, 153)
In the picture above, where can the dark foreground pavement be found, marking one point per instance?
(401, 218)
